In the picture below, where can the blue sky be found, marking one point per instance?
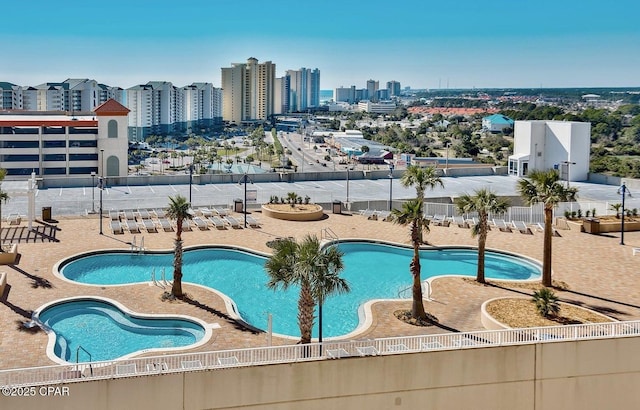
(422, 44)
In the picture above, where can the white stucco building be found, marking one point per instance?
(543, 145)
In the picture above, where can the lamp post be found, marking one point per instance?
(190, 181)
(244, 180)
(446, 161)
(390, 186)
(347, 183)
(101, 187)
(93, 192)
(568, 164)
(624, 191)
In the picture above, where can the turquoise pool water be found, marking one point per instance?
(373, 270)
(101, 330)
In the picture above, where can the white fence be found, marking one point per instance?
(215, 360)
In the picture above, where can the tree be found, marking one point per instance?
(544, 187)
(483, 202)
(314, 270)
(421, 178)
(4, 196)
(179, 209)
(411, 215)
(546, 302)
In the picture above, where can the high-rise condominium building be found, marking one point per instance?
(372, 90)
(248, 91)
(159, 107)
(71, 95)
(394, 88)
(304, 89)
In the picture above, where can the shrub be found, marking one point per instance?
(547, 303)
(573, 214)
(587, 213)
(634, 212)
(306, 199)
(567, 214)
(593, 212)
(579, 213)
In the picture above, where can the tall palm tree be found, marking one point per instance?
(483, 202)
(313, 269)
(179, 209)
(411, 215)
(421, 178)
(4, 196)
(544, 187)
(325, 266)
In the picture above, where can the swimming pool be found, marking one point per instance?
(373, 270)
(94, 329)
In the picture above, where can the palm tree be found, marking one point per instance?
(411, 214)
(179, 209)
(544, 187)
(421, 178)
(547, 303)
(4, 196)
(483, 202)
(314, 270)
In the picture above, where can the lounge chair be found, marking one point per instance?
(369, 214)
(114, 215)
(522, 227)
(233, 222)
(144, 214)
(122, 369)
(165, 224)
(458, 220)
(337, 353)
(384, 215)
(635, 251)
(253, 222)
(14, 219)
(200, 223)
(440, 220)
(206, 212)
(116, 227)
(157, 367)
(217, 222)
(228, 361)
(186, 225)
(132, 226)
(400, 347)
(432, 345)
(501, 225)
(472, 222)
(160, 213)
(149, 226)
(221, 211)
(191, 364)
(540, 228)
(129, 215)
(367, 351)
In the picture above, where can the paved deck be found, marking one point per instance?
(601, 274)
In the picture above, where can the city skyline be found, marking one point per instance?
(496, 44)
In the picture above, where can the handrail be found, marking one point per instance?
(327, 233)
(316, 351)
(87, 352)
(426, 290)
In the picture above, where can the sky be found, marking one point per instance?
(420, 43)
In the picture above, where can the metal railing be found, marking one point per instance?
(216, 360)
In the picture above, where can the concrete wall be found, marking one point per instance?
(592, 374)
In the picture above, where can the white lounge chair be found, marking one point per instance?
(253, 222)
(540, 228)
(186, 225)
(233, 222)
(122, 369)
(221, 211)
(440, 220)
(228, 361)
(337, 353)
(368, 213)
(501, 224)
(400, 347)
(217, 222)
(132, 226)
(200, 223)
(521, 226)
(206, 212)
(114, 215)
(165, 224)
(384, 215)
(635, 251)
(129, 215)
(191, 364)
(472, 222)
(157, 367)
(160, 213)
(116, 227)
(367, 351)
(458, 220)
(14, 219)
(149, 226)
(144, 214)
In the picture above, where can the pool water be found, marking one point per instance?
(93, 330)
(373, 271)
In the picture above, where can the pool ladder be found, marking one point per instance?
(137, 248)
(426, 291)
(87, 352)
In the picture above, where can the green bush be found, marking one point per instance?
(547, 303)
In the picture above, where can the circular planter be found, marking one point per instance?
(309, 212)
(490, 323)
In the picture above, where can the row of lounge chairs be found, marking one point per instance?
(375, 215)
(500, 224)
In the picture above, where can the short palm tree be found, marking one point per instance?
(411, 215)
(483, 202)
(421, 178)
(547, 303)
(545, 187)
(179, 209)
(314, 270)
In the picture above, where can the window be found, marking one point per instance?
(83, 144)
(82, 170)
(54, 157)
(19, 158)
(112, 129)
(19, 144)
(83, 157)
(55, 171)
(55, 144)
